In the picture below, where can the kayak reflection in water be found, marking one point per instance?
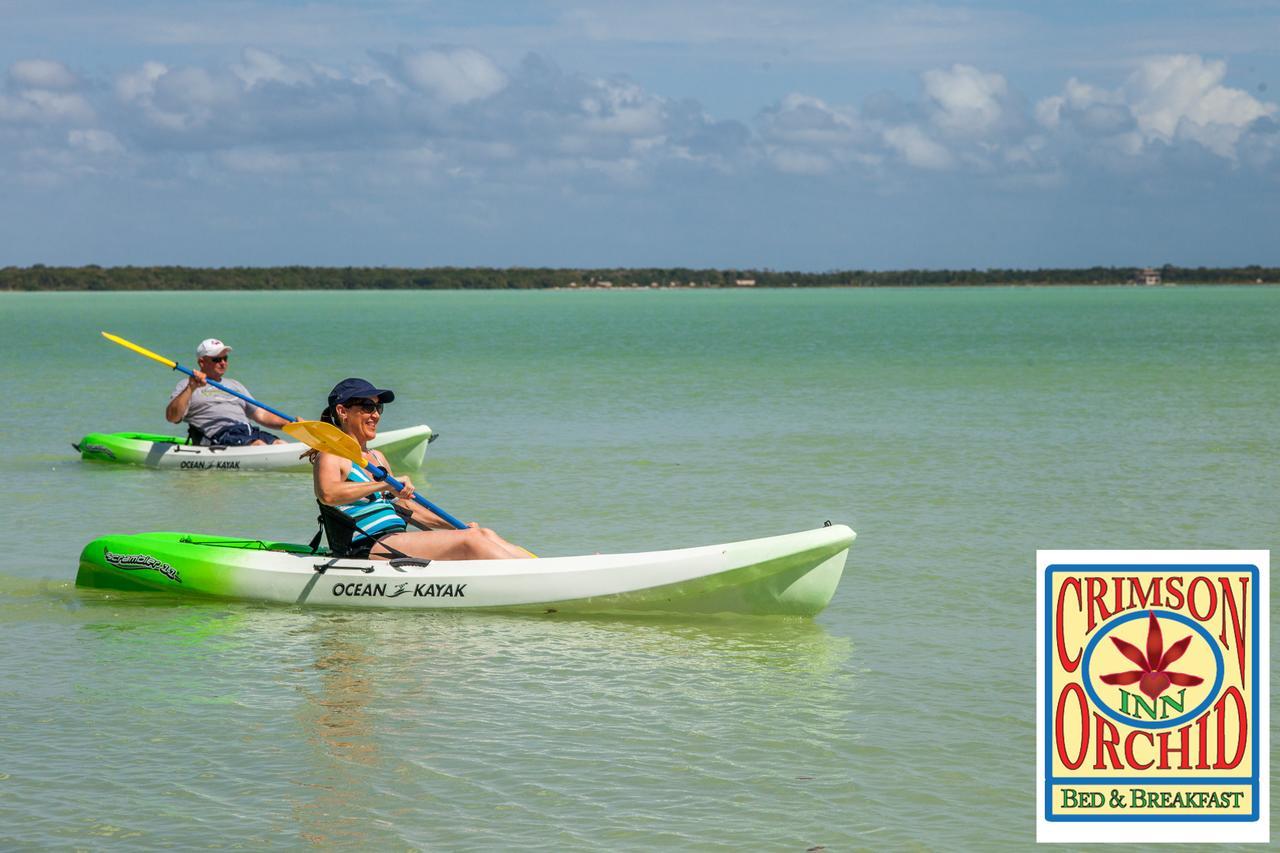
(377, 512)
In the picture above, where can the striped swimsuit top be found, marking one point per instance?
(375, 515)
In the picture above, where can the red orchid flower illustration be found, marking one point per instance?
(1154, 677)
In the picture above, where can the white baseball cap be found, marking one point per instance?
(211, 346)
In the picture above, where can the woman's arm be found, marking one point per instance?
(421, 516)
(329, 476)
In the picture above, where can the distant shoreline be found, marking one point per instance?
(40, 278)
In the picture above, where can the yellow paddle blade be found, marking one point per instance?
(139, 350)
(326, 437)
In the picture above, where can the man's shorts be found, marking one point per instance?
(238, 435)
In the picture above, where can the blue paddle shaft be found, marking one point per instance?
(235, 393)
(382, 476)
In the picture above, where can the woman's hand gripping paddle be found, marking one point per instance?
(168, 362)
(328, 438)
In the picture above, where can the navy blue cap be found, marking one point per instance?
(350, 389)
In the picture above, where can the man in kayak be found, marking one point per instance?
(378, 517)
(213, 415)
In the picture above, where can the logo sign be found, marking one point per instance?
(140, 562)
(1152, 696)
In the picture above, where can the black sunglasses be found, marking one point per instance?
(364, 406)
(216, 357)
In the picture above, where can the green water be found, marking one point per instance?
(955, 430)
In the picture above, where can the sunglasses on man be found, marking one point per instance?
(216, 358)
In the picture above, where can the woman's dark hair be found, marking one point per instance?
(328, 417)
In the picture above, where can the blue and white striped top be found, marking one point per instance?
(375, 514)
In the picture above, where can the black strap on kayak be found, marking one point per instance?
(195, 435)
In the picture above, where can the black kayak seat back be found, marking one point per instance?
(197, 437)
(338, 529)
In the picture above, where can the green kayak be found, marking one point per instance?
(791, 575)
(404, 448)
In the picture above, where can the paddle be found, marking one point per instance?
(168, 362)
(327, 437)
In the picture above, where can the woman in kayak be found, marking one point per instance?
(376, 511)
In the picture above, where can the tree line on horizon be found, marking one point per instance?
(42, 278)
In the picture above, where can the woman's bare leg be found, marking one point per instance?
(509, 550)
(473, 543)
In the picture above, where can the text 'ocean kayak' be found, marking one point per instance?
(404, 448)
(790, 575)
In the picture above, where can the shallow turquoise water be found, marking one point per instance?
(955, 430)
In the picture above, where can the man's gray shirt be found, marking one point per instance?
(213, 410)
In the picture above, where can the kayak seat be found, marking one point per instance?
(338, 528)
(195, 435)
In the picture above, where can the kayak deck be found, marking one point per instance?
(794, 575)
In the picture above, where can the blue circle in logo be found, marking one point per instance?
(1153, 724)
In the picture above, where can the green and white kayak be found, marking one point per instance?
(790, 575)
(404, 448)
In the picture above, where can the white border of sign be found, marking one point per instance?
(1148, 832)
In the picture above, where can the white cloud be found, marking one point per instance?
(965, 100)
(136, 85)
(1167, 99)
(39, 93)
(804, 135)
(1183, 95)
(178, 100)
(430, 115)
(453, 76)
(622, 109)
(803, 120)
(917, 149)
(967, 121)
(258, 66)
(1078, 101)
(95, 141)
(40, 106)
(42, 74)
(195, 87)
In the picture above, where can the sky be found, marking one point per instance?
(785, 135)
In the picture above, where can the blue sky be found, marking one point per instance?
(799, 135)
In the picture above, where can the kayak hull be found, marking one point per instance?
(405, 450)
(795, 574)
